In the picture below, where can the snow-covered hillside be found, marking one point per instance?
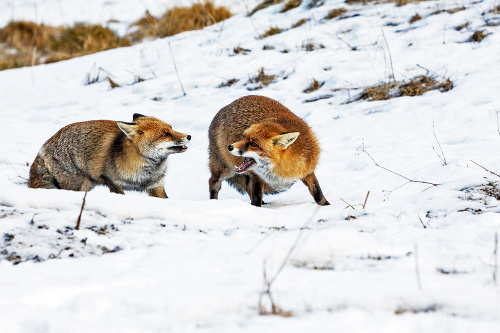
(416, 255)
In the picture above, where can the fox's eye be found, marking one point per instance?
(166, 134)
(253, 144)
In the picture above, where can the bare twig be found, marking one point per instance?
(442, 158)
(348, 204)
(81, 211)
(423, 225)
(366, 199)
(417, 270)
(397, 174)
(17, 173)
(479, 165)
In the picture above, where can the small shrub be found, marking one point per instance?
(23, 34)
(271, 31)
(415, 18)
(315, 85)
(477, 36)
(264, 4)
(335, 13)
(290, 4)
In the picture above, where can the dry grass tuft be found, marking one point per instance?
(310, 46)
(477, 36)
(23, 34)
(261, 79)
(179, 19)
(290, 4)
(415, 87)
(315, 4)
(495, 10)
(228, 83)
(405, 2)
(264, 4)
(335, 13)
(271, 31)
(415, 18)
(241, 50)
(299, 23)
(462, 26)
(313, 86)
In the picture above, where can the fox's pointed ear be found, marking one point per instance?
(137, 115)
(130, 129)
(285, 139)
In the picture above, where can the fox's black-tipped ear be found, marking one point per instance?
(137, 115)
(130, 129)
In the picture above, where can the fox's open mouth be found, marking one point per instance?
(178, 149)
(247, 163)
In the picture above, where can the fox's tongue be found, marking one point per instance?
(247, 162)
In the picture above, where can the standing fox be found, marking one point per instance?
(123, 156)
(261, 147)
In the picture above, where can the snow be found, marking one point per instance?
(189, 264)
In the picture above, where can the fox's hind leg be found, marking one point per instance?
(256, 190)
(313, 185)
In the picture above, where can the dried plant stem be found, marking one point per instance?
(366, 199)
(175, 67)
(479, 165)
(441, 156)
(81, 211)
(348, 204)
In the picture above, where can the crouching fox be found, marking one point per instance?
(260, 147)
(120, 155)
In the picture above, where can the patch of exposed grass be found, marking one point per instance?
(415, 18)
(290, 4)
(462, 26)
(405, 308)
(299, 23)
(495, 10)
(335, 13)
(261, 79)
(241, 50)
(264, 4)
(179, 19)
(313, 86)
(271, 31)
(477, 36)
(228, 83)
(315, 3)
(311, 46)
(415, 87)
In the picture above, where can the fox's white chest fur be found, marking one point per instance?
(266, 173)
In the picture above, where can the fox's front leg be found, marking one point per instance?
(256, 191)
(313, 185)
(158, 192)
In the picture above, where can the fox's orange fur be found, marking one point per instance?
(261, 147)
(123, 156)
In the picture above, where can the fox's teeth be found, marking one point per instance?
(247, 162)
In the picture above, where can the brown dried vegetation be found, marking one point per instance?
(415, 87)
(477, 36)
(290, 4)
(335, 13)
(261, 79)
(415, 18)
(313, 86)
(264, 4)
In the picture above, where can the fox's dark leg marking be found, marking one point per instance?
(313, 185)
(113, 188)
(214, 185)
(158, 192)
(257, 191)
